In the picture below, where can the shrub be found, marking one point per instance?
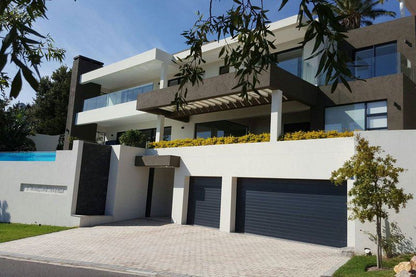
(133, 138)
(250, 138)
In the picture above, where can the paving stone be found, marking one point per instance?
(180, 250)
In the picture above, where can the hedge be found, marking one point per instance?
(250, 138)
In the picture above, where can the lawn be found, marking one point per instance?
(15, 231)
(356, 266)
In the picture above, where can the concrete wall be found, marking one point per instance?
(309, 159)
(45, 142)
(402, 146)
(41, 192)
(127, 185)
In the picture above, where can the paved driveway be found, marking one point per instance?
(152, 247)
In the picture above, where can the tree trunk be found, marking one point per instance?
(379, 243)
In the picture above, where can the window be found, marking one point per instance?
(167, 134)
(174, 82)
(224, 69)
(360, 116)
(221, 128)
(378, 60)
(291, 61)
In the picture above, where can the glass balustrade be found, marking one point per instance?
(115, 98)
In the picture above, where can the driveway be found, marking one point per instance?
(155, 247)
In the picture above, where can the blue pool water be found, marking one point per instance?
(28, 156)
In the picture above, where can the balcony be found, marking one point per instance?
(116, 98)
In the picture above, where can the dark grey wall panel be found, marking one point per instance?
(204, 202)
(312, 211)
(93, 179)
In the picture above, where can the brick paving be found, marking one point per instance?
(167, 249)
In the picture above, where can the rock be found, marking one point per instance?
(413, 263)
(403, 266)
(405, 273)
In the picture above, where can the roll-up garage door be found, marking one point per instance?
(312, 211)
(204, 202)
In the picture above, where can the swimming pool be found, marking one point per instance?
(28, 156)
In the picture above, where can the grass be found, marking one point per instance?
(357, 265)
(14, 231)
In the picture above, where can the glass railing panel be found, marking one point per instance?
(115, 98)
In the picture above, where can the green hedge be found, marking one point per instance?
(250, 138)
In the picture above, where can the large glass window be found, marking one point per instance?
(291, 61)
(360, 116)
(378, 60)
(221, 128)
(150, 134)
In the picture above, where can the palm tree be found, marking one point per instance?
(357, 13)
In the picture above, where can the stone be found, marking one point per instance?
(405, 273)
(403, 266)
(413, 262)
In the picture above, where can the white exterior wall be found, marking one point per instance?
(127, 184)
(34, 207)
(309, 159)
(402, 146)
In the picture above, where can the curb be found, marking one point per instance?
(88, 265)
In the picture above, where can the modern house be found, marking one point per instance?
(136, 93)
(276, 188)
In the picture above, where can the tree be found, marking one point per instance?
(50, 107)
(374, 191)
(133, 138)
(247, 24)
(15, 127)
(22, 45)
(357, 13)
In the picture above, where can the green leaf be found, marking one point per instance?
(3, 61)
(16, 85)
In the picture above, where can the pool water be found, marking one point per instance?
(28, 156)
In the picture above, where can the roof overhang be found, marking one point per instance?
(130, 72)
(285, 33)
(162, 161)
(218, 94)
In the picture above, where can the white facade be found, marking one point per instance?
(24, 198)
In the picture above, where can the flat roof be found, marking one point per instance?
(130, 71)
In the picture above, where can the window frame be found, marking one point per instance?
(366, 114)
(373, 58)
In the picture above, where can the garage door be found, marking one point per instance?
(312, 211)
(204, 202)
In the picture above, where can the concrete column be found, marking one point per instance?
(180, 198)
(276, 115)
(163, 76)
(160, 127)
(228, 203)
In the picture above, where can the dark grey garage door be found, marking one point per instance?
(312, 211)
(204, 201)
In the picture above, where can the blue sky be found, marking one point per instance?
(111, 30)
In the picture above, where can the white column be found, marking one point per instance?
(276, 115)
(228, 203)
(160, 127)
(180, 198)
(163, 76)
